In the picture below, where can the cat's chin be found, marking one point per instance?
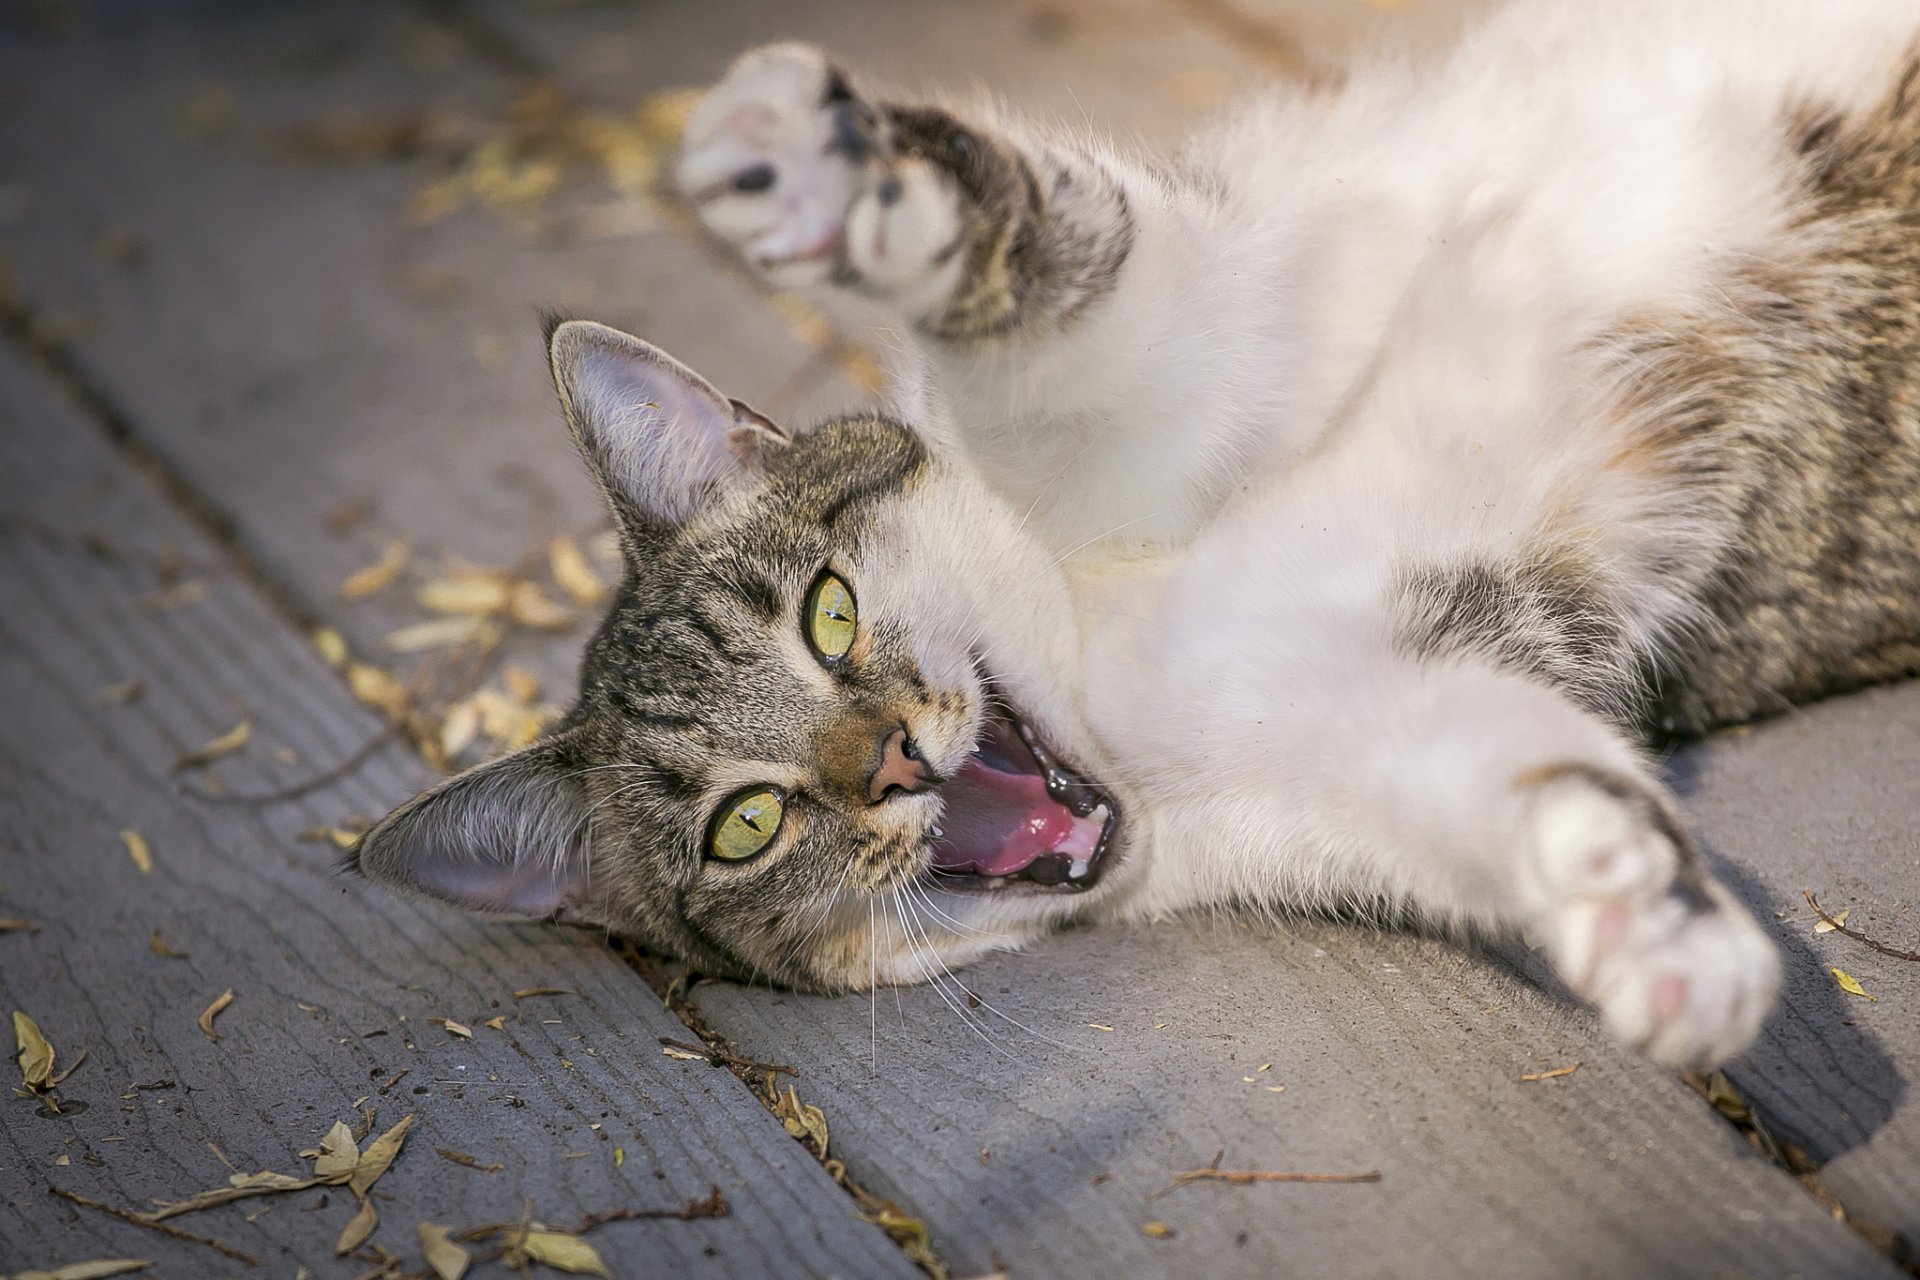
(1018, 819)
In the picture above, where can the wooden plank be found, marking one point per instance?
(336, 984)
(1825, 800)
(285, 410)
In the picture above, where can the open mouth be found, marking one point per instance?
(1017, 817)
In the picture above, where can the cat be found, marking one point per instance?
(1326, 518)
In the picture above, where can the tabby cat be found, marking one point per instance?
(1325, 518)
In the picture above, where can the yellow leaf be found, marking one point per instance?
(477, 591)
(498, 1023)
(573, 572)
(1156, 1230)
(459, 729)
(35, 1054)
(358, 1228)
(564, 1253)
(448, 1260)
(224, 745)
(377, 576)
(379, 1154)
(214, 1010)
(337, 1155)
(521, 684)
(456, 1028)
(377, 689)
(437, 633)
(1851, 985)
(531, 607)
(1839, 918)
(331, 646)
(138, 850)
(96, 1270)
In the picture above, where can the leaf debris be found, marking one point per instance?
(157, 944)
(526, 993)
(1555, 1074)
(223, 745)
(1851, 985)
(466, 1161)
(448, 1260)
(15, 924)
(139, 850)
(379, 575)
(35, 1054)
(460, 1029)
(98, 1269)
(212, 1011)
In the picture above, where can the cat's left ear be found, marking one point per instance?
(659, 437)
(506, 838)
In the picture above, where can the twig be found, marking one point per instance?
(1856, 935)
(1247, 1177)
(1533, 1077)
(717, 1058)
(141, 1220)
(711, 1205)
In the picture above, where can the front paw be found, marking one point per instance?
(774, 158)
(1635, 925)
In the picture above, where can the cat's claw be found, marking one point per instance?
(783, 162)
(1634, 925)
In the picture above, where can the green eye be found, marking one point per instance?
(745, 825)
(831, 617)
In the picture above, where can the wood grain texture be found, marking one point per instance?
(1827, 799)
(269, 351)
(335, 982)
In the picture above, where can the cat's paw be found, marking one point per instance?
(786, 164)
(1636, 926)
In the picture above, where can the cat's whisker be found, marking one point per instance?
(984, 1002)
(921, 953)
(873, 992)
(1078, 547)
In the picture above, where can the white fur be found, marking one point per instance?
(1360, 328)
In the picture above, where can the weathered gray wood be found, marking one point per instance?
(274, 360)
(335, 982)
(1827, 799)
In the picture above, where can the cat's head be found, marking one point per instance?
(826, 733)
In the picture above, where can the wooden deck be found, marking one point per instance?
(239, 360)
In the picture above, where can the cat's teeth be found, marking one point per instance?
(937, 833)
(1077, 869)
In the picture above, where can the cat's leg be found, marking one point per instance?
(970, 234)
(1472, 795)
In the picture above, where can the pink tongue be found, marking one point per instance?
(995, 823)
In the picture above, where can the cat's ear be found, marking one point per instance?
(659, 437)
(508, 838)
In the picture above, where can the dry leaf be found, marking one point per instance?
(688, 1055)
(573, 573)
(802, 1120)
(454, 1028)
(460, 727)
(466, 1161)
(212, 1011)
(1555, 1074)
(377, 576)
(1839, 918)
(498, 1023)
(529, 606)
(138, 850)
(35, 1055)
(1849, 984)
(563, 1252)
(521, 684)
(377, 689)
(1157, 1230)
(14, 924)
(95, 1270)
(337, 1156)
(358, 1228)
(525, 992)
(157, 943)
(437, 633)
(378, 1156)
(240, 1186)
(331, 646)
(448, 1260)
(119, 695)
(224, 745)
(474, 591)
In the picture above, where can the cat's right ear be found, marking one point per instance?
(508, 838)
(661, 439)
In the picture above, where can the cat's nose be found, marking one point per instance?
(899, 766)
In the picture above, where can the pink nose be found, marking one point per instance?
(900, 766)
